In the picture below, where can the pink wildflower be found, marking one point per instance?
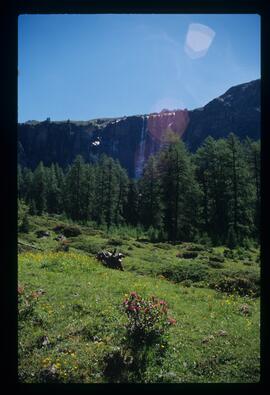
(20, 290)
(171, 321)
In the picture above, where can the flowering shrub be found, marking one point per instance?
(146, 318)
(26, 303)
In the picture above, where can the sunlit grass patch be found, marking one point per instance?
(215, 338)
(80, 310)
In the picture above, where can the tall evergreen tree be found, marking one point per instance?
(27, 185)
(99, 202)
(53, 191)
(22, 214)
(60, 184)
(32, 207)
(40, 188)
(253, 158)
(19, 182)
(131, 206)
(110, 191)
(121, 193)
(89, 192)
(211, 172)
(150, 194)
(222, 172)
(240, 189)
(180, 192)
(74, 189)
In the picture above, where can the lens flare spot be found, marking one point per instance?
(198, 40)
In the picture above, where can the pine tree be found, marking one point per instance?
(53, 192)
(99, 201)
(32, 207)
(180, 192)
(19, 182)
(121, 193)
(232, 239)
(110, 191)
(23, 221)
(202, 160)
(60, 185)
(150, 194)
(27, 185)
(253, 158)
(25, 224)
(89, 192)
(212, 175)
(239, 185)
(74, 189)
(223, 176)
(65, 191)
(40, 188)
(131, 206)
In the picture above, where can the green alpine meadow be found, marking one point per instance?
(175, 297)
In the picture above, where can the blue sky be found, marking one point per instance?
(81, 67)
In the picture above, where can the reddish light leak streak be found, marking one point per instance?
(176, 121)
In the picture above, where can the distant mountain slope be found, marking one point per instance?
(132, 139)
(237, 110)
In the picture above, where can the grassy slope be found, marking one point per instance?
(80, 315)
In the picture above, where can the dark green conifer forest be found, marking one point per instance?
(213, 194)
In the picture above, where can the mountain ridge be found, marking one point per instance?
(131, 140)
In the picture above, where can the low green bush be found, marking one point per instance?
(216, 258)
(67, 230)
(248, 244)
(163, 246)
(196, 247)
(186, 283)
(243, 286)
(190, 254)
(216, 264)
(142, 240)
(241, 253)
(248, 263)
(193, 272)
(92, 247)
(228, 253)
(138, 245)
(115, 242)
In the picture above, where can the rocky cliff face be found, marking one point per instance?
(236, 111)
(132, 139)
(61, 142)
